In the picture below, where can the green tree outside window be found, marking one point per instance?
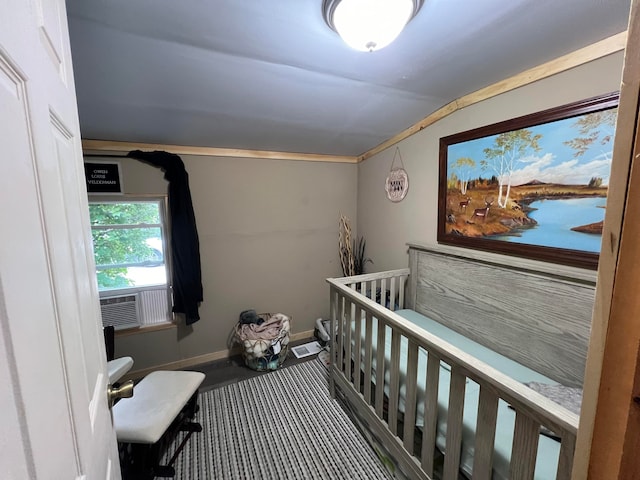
(125, 234)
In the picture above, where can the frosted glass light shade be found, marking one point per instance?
(369, 25)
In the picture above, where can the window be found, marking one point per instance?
(130, 251)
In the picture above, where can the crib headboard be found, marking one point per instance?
(538, 320)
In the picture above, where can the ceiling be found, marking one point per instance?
(271, 75)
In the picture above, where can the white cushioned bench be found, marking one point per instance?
(163, 403)
(118, 367)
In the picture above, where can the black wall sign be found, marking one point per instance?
(103, 177)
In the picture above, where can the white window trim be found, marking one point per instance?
(166, 246)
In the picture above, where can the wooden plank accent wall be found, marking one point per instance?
(537, 320)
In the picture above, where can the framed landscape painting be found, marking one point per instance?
(534, 186)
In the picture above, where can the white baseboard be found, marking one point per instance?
(200, 359)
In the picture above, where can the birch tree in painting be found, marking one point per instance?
(464, 166)
(596, 127)
(508, 150)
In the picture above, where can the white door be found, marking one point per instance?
(55, 423)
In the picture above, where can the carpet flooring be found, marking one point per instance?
(279, 425)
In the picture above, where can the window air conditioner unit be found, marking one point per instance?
(120, 312)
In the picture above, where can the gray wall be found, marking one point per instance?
(268, 228)
(388, 226)
(268, 239)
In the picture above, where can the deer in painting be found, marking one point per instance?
(465, 203)
(483, 212)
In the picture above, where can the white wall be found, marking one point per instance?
(268, 234)
(388, 226)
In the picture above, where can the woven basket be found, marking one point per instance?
(263, 355)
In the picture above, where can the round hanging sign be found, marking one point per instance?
(397, 184)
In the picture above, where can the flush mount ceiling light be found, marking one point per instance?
(369, 25)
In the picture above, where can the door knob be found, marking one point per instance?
(117, 391)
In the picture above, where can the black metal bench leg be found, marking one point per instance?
(138, 461)
(142, 461)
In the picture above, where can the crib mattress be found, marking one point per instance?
(548, 449)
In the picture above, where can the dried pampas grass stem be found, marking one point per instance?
(345, 246)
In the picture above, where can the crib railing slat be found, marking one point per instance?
(565, 463)
(363, 288)
(357, 350)
(372, 290)
(485, 434)
(368, 339)
(525, 447)
(349, 309)
(394, 382)
(392, 294)
(380, 339)
(333, 309)
(340, 339)
(410, 396)
(429, 431)
(403, 283)
(454, 424)
(383, 291)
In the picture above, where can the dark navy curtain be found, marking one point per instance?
(185, 247)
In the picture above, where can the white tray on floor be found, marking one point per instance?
(306, 349)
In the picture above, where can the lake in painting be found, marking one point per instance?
(556, 218)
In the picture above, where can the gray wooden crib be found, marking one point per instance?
(441, 352)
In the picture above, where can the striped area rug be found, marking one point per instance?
(279, 425)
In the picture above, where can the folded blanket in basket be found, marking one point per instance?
(266, 331)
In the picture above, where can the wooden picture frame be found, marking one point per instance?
(534, 186)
